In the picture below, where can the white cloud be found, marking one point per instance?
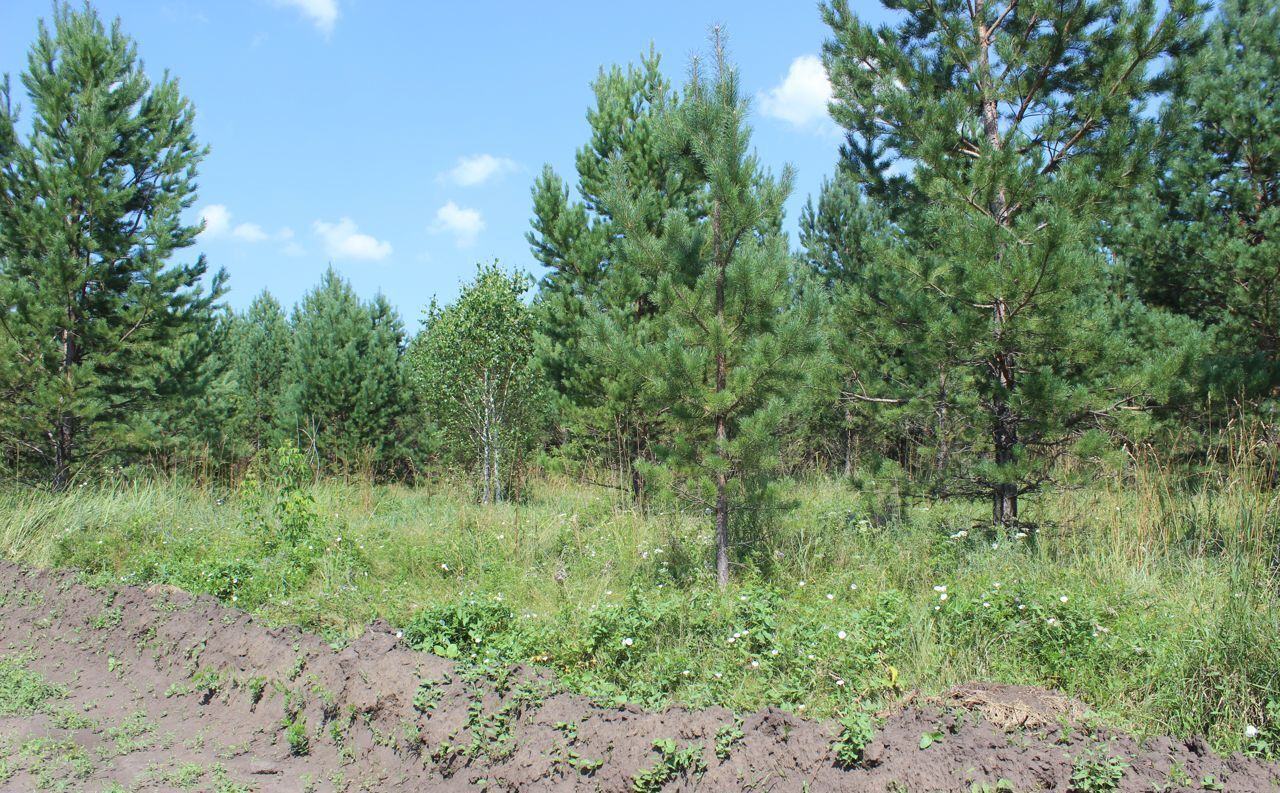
(249, 232)
(322, 13)
(216, 220)
(342, 240)
(471, 171)
(217, 225)
(464, 224)
(802, 96)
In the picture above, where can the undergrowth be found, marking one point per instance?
(1151, 598)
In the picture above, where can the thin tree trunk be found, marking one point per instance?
(64, 432)
(940, 411)
(722, 423)
(1004, 421)
(848, 441)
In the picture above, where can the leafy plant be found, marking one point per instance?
(726, 736)
(856, 731)
(1097, 772)
(674, 762)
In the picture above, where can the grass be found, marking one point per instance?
(1150, 596)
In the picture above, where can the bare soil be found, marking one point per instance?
(163, 690)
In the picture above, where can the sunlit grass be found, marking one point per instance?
(1169, 623)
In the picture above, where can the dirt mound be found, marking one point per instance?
(162, 690)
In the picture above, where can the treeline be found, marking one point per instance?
(1051, 235)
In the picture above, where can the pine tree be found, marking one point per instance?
(732, 341)
(258, 351)
(90, 216)
(1010, 130)
(474, 362)
(590, 276)
(348, 399)
(1203, 236)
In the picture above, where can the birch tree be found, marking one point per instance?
(474, 363)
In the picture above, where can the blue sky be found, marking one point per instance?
(398, 141)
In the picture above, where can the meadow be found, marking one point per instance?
(1150, 595)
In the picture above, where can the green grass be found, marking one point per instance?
(1151, 598)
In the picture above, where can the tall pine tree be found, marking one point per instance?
(998, 135)
(732, 340)
(97, 318)
(602, 408)
(1203, 237)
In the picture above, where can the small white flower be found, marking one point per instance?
(743, 598)
(996, 585)
(717, 675)
(399, 634)
(1063, 598)
(939, 588)
(444, 566)
(801, 583)
(608, 591)
(1052, 621)
(1250, 731)
(685, 673)
(799, 707)
(842, 635)
(731, 639)
(1022, 535)
(853, 586)
(986, 605)
(773, 652)
(839, 682)
(755, 664)
(830, 596)
(1021, 606)
(812, 657)
(943, 596)
(627, 642)
(737, 635)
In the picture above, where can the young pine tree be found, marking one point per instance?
(474, 364)
(732, 342)
(348, 398)
(602, 407)
(97, 318)
(999, 135)
(259, 349)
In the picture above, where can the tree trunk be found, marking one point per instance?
(722, 422)
(1004, 422)
(940, 411)
(64, 432)
(848, 441)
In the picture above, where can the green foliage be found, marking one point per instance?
(603, 413)
(295, 734)
(856, 731)
(22, 691)
(734, 339)
(1202, 233)
(100, 331)
(726, 736)
(674, 762)
(473, 361)
(1097, 773)
(259, 349)
(348, 400)
(994, 140)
